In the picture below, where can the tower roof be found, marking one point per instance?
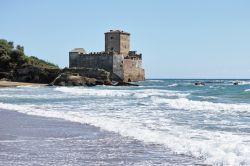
(118, 31)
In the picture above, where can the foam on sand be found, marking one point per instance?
(218, 148)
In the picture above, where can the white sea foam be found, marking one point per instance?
(208, 97)
(30, 86)
(159, 92)
(172, 85)
(144, 114)
(217, 148)
(244, 82)
(247, 90)
(92, 92)
(33, 96)
(186, 104)
(141, 93)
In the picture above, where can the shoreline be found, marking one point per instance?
(15, 84)
(60, 142)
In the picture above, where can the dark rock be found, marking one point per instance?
(4, 79)
(199, 83)
(69, 79)
(124, 84)
(99, 74)
(60, 77)
(29, 73)
(236, 83)
(6, 75)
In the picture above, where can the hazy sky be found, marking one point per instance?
(177, 38)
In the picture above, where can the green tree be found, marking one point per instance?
(20, 48)
(12, 57)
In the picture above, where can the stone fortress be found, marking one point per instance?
(123, 64)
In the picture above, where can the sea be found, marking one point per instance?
(210, 123)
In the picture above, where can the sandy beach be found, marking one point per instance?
(28, 140)
(14, 84)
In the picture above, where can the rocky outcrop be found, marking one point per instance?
(236, 83)
(124, 84)
(62, 77)
(199, 83)
(34, 74)
(101, 75)
(6, 75)
(67, 79)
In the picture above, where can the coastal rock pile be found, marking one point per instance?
(33, 74)
(67, 79)
(62, 77)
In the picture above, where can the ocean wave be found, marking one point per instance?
(30, 86)
(90, 91)
(186, 104)
(159, 92)
(35, 97)
(217, 148)
(155, 80)
(140, 93)
(172, 85)
(244, 82)
(247, 90)
(208, 97)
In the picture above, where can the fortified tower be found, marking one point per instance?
(117, 59)
(117, 41)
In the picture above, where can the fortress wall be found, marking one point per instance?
(132, 70)
(101, 61)
(73, 59)
(112, 42)
(117, 67)
(124, 44)
(120, 69)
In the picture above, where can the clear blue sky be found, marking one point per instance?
(177, 38)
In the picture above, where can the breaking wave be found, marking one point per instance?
(186, 104)
(207, 122)
(244, 82)
(141, 93)
(172, 85)
(219, 148)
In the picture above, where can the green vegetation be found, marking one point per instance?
(12, 57)
(32, 60)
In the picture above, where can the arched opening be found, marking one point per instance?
(129, 80)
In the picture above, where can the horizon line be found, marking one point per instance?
(198, 78)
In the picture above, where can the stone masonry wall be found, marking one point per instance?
(112, 42)
(101, 61)
(132, 70)
(124, 44)
(120, 69)
(117, 67)
(118, 42)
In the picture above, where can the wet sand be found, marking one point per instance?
(32, 140)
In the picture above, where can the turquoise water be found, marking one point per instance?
(210, 123)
